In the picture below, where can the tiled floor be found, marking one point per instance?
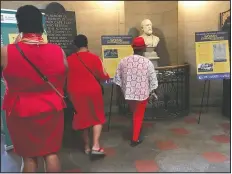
(179, 145)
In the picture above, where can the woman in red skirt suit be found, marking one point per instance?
(86, 94)
(34, 111)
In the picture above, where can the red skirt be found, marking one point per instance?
(36, 136)
(90, 109)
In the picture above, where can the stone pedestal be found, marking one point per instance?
(155, 63)
(152, 55)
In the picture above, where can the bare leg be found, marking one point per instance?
(52, 163)
(96, 136)
(86, 140)
(29, 165)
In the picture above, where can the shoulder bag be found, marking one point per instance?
(102, 88)
(43, 77)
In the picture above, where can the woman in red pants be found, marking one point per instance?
(34, 110)
(85, 73)
(137, 78)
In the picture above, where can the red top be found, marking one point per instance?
(79, 78)
(26, 93)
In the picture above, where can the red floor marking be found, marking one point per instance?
(214, 157)
(73, 171)
(226, 126)
(190, 120)
(221, 138)
(146, 166)
(180, 131)
(148, 125)
(110, 151)
(166, 145)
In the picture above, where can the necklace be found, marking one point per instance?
(31, 38)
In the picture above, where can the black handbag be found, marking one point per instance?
(45, 79)
(102, 88)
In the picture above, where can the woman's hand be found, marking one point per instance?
(104, 70)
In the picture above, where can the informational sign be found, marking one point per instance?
(114, 48)
(9, 32)
(212, 55)
(61, 29)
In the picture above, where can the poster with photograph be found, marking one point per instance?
(114, 48)
(212, 55)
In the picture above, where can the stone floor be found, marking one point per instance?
(179, 145)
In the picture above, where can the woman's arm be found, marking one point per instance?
(4, 52)
(3, 57)
(100, 71)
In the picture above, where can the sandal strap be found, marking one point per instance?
(99, 150)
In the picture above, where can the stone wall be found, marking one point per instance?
(163, 15)
(93, 18)
(197, 17)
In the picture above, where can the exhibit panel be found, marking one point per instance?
(212, 55)
(115, 48)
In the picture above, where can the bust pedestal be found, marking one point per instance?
(152, 55)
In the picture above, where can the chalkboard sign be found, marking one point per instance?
(61, 29)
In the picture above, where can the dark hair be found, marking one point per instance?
(29, 19)
(139, 51)
(80, 41)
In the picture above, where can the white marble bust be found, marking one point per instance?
(151, 40)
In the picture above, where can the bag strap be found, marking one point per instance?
(78, 56)
(43, 77)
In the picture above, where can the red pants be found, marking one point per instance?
(138, 109)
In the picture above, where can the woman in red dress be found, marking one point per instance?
(34, 111)
(85, 70)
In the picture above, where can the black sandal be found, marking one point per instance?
(135, 143)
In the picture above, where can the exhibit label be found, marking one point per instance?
(115, 48)
(212, 55)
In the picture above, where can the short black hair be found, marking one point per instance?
(139, 51)
(80, 41)
(29, 19)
